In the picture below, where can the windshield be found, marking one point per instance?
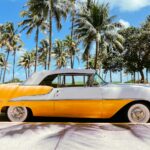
(96, 80)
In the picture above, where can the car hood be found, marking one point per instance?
(126, 91)
(9, 91)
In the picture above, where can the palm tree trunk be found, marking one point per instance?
(97, 50)
(102, 75)
(72, 26)
(71, 62)
(142, 76)
(45, 65)
(36, 54)
(50, 37)
(1, 74)
(87, 63)
(14, 63)
(26, 72)
(72, 34)
(134, 77)
(105, 76)
(147, 75)
(110, 76)
(121, 76)
(6, 65)
(138, 77)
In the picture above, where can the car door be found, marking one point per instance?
(78, 101)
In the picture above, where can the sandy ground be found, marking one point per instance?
(74, 136)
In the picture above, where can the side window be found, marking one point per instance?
(55, 82)
(51, 80)
(66, 80)
(74, 81)
(81, 80)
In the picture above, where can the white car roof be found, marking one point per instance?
(36, 78)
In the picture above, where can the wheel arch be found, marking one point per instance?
(122, 112)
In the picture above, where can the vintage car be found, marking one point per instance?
(74, 93)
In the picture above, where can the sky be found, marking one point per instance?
(128, 12)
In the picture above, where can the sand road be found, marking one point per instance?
(74, 136)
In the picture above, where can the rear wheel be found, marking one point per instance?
(17, 114)
(138, 113)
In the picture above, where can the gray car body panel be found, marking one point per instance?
(136, 92)
(107, 92)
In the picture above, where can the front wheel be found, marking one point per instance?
(138, 113)
(17, 114)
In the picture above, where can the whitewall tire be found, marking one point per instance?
(138, 113)
(17, 114)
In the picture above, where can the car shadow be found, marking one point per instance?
(3, 118)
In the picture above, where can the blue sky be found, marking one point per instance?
(129, 12)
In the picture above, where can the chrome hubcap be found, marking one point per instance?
(18, 113)
(138, 114)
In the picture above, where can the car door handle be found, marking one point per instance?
(57, 93)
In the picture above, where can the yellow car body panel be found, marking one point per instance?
(38, 108)
(78, 108)
(111, 107)
(8, 92)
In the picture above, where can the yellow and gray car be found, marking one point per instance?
(74, 93)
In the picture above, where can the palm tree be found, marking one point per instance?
(2, 64)
(32, 22)
(73, 13)
(72, 50)
(43, 52)
(50, 10)
(1, 34)
(11, 42)
(60, 54)
(26, 61)
(17, 46)
(93, 24)
(4, 36)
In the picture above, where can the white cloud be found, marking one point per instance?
(127, 5)
(125, 24)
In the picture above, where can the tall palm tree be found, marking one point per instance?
(11, 42)
(50, 10)
(93, 23)
(4, 36)
(33, 21)
(73, 13)
(1, 34)
(43, 52)
(72, 50)
(2, 64)
(17, 46)
(26, 61)
(60, 54)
